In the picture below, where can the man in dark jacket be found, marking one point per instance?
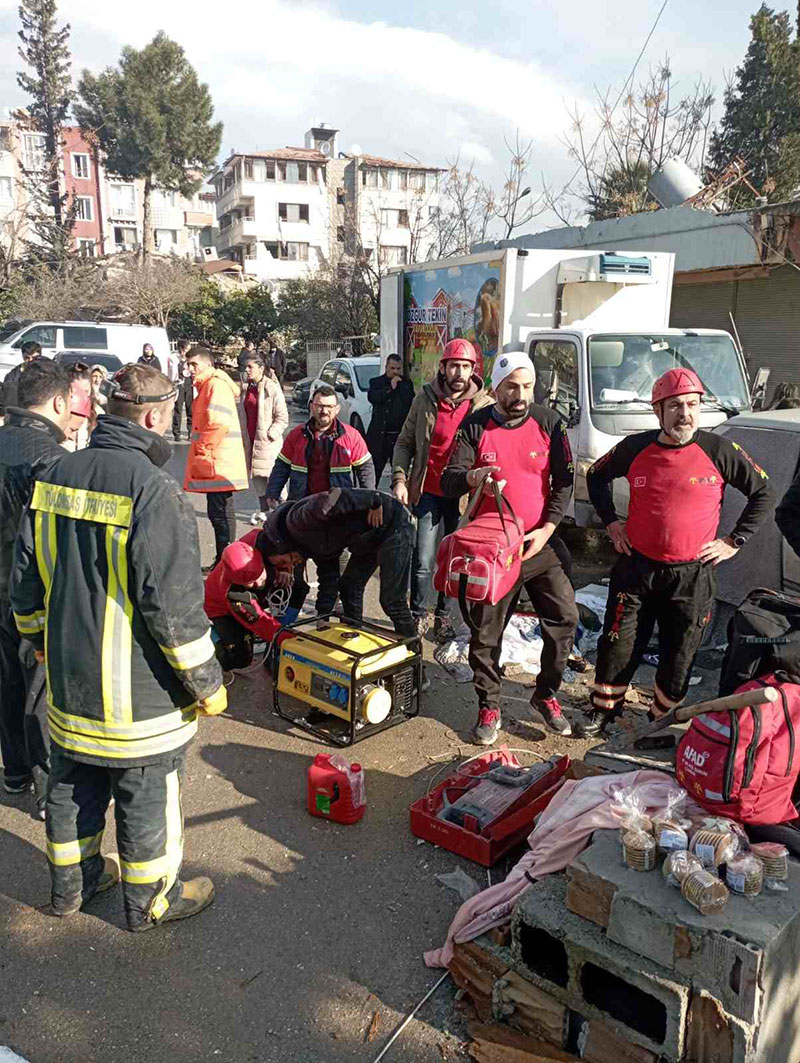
(29, 442)
(390, 395)
(276, 361)
(30, 351)
(378, 531)
(119, 620)
(149, 357)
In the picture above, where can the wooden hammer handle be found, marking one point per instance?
(733, 702)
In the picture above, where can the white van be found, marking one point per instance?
(103, 337)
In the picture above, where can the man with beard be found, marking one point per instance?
(526, 446)
(668, 546)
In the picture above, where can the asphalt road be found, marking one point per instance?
(316, 929)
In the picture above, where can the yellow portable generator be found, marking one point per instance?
(350, 680)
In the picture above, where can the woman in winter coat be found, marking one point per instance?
(264, 420)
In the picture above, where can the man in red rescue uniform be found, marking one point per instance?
(527, 446)
(668, 547)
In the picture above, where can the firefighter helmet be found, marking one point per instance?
(677, 382)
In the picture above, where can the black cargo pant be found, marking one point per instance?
(183, 402)
(233, 643)
(642, 593)
(548, 586)
(221, 513)
(381, 447)
(149, 822)
(16, 674)
(391, 554)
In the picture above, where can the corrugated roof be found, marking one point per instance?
(291, 154)
(220, 265)
(374, 160)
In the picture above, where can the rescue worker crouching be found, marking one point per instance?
(235, 600)
(525, 445)
(668, 546)
(106, 584)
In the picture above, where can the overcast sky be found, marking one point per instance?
(433, 79)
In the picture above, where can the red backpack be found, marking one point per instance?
(744, 765)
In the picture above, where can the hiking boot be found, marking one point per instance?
(595, 722)
(196, 895)
(550, 711)
(109, 877)
(443, 630)
(17, 784)
(487, 728)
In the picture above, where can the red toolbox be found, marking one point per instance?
(485, 845)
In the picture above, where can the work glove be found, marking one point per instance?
(215, 704)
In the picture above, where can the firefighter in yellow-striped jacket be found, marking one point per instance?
(106, 583)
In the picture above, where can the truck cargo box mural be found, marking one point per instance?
(449, 302)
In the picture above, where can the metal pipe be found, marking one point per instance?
(408, 1019)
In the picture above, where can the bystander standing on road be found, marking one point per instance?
(244, 354)
(264, 419)
(276, 361)
(123, 699)
(526, 446)
(183, 403)
(420, 456)
(30, 351)
(390, 395)
(316, 456)
(29, 443)
(668, 546)
(149, 358)
(216, 466)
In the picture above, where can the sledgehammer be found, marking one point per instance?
(731, 703)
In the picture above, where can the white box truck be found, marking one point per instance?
(595, 325)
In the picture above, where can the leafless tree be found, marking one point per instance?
(507, 206)
(464, 214)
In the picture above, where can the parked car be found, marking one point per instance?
(350, 378)
(301, 392)
(88, 338)
(109, 362)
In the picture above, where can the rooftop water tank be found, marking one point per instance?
(673, 183)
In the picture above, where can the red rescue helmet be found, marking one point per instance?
(677, 382)
(79, 402)
(459, 350)
(243, 562)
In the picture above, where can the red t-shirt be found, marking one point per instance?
(251, 410)
(523, 455)
(448, 422)
(319, 465)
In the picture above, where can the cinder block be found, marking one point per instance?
(632, 925)
(638, 999)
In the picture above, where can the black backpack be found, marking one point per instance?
(763, 637)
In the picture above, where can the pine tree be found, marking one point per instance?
(152, 119)
(45, 49)
(762, 111)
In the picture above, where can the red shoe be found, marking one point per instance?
(550, 711)
(487, 728)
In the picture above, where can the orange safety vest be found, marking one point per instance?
(216, 456)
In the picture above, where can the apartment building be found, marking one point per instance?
(109, 210)
(282, 213)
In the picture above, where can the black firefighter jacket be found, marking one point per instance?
(29, 443)
(107, 580)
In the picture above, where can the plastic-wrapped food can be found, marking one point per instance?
(775, 859)
(671, 833)
(705, 892)
(745, 874)
(714, 847)
(639, 850)
(678, 865)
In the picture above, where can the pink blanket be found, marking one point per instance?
(564, 829)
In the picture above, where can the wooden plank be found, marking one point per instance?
(709, 1037)
(604, 1045)
(589, 896)
(531, 1009)
(495, 1043)
(579, 769)
(474, 970)
(500, 935)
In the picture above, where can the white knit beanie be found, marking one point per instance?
(505, 364)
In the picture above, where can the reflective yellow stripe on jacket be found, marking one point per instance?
(190, 654)
(117, 747)
(117, 631)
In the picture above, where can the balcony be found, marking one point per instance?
(240, 194)
(241, 231)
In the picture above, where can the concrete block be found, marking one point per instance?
(577, 963)
(632, 925)
(589, 895)
(598, 1043)
(709, 1034)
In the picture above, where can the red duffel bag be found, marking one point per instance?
(480, 561)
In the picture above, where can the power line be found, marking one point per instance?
(621, 91)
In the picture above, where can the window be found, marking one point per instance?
(81, 166)
(293, 211)
(34, 146)
(369, 178)
(6, 189)
(365, 373)
(248, 169)
(433, 212)
(82, 337)
(389, 219)
(166, 239)
(259, 170)
(290, 251)
(329, 373)
(85, 247)
(386, 179)
(42, 334)
(313, 174)
(432, 181)
(402, 219)
(402, 180)
(394, 256)
(167, 198)
(418, 182)
(340, 197)
(230, 180)
(340, 234)
(302, 171)
(281, 171)
(292, 172)
(270, 170)
(125, 238)
(85, 208)
(122, 201)
(343, 382)
(556, 365)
